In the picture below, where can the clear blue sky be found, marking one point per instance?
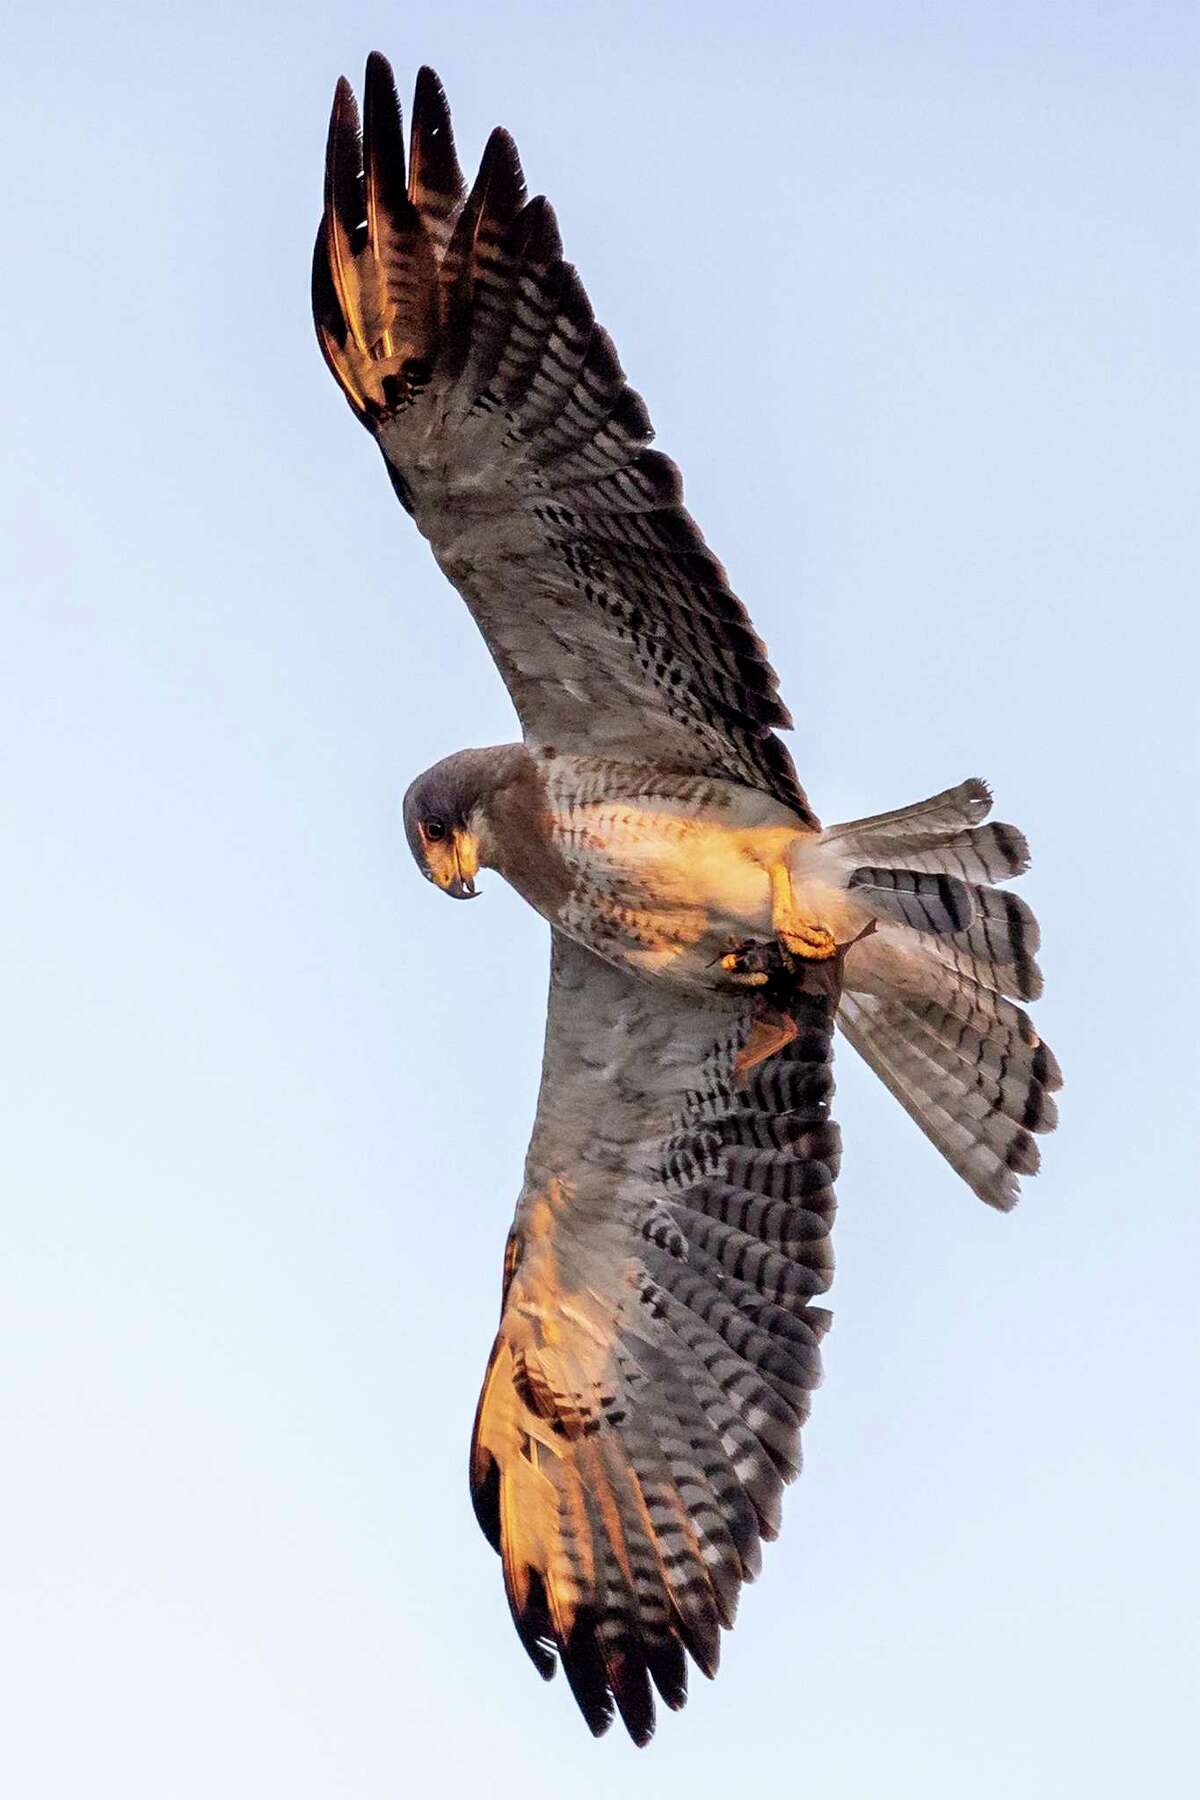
(911, 290)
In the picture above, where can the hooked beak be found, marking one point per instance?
(452, 865)
(457, 875)
(466, 862)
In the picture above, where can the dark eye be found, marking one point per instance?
(435, 831)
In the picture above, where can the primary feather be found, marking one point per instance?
(657, 1343)
(468, 346)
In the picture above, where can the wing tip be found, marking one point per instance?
(379, 67)
(434, 167)
(343, 116)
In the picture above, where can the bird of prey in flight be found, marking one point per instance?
(658, 1337)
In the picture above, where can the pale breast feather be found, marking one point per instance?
(668, 870)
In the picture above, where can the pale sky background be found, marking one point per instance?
(911, 290)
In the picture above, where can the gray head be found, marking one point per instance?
(442, 815)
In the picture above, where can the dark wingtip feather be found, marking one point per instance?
(485, 1497)
(326, 310)
(534, 1628)
(584, 1668)
(630, 1686)
(343, 174)
(434, 166)
(383, 135)
(668, 1670)
(429, 99)
(345, 106)
(500, 173)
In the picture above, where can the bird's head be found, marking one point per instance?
(445, 814)
(438, 810)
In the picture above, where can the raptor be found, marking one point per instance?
(660, 1335)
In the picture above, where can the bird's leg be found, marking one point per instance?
(815, 974)
(758, 962)
(801, 938)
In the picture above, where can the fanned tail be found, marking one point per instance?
(929, 993)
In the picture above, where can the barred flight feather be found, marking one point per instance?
(657, 1348)
(469, 348)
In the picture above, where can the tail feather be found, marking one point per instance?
(883, 964)
(997, 947)
(986, 853)
(988, 1151)
(1013, 1089)
(929, 995)
(925, 902)
(1007, 1048)
(950, 811)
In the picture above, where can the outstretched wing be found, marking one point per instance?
(467, 346)
(656, 1350)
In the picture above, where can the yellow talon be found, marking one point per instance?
(810, 942)
(813, 943)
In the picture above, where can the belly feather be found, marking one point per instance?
(669, 886)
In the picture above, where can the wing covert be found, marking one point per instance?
(468, 346)
(657, 1344)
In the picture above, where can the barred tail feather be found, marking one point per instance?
(926, 902)
(953, 810)
(969, 1121)
(929, 994)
